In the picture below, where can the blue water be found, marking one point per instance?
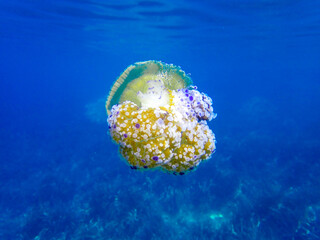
(61, 176)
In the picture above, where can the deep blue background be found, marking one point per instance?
(61, 176)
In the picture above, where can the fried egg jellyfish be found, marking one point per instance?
(159, 119)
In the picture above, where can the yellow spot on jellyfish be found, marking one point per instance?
(159, 119)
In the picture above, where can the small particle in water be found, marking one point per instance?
(125, 135)
(155, 158)
(137, 125)
(114, 126)
(190, 98)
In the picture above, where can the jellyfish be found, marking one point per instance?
(159, 119)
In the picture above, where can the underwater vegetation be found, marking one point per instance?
(159, 119)
(249, 193)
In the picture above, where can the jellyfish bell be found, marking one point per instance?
(159, 120)
(143, 78)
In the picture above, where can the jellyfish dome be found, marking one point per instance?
(159, 119)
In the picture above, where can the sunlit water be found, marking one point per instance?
(61, 175)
